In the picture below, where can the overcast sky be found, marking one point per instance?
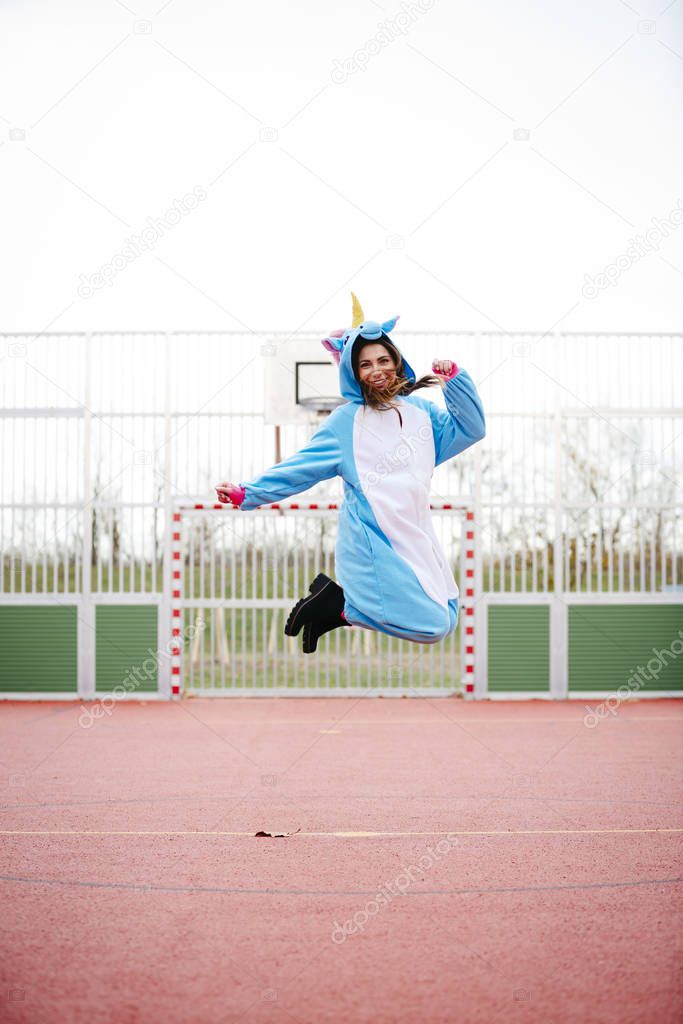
(469, 165)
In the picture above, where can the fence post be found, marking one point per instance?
(85, 629)
(558, 608)
(165, 634)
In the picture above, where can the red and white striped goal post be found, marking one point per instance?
(466, 604)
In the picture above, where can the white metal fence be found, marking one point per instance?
(576, 487)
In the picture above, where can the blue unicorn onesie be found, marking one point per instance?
(393, 574)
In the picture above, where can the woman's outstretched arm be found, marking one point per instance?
(462, 423)
(319, 460)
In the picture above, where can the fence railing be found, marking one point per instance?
(577, 477)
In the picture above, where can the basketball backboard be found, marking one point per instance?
(301, 381)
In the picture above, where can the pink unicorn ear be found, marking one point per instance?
(331, 345)
(389, 325)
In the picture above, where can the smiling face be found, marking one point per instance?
(376, 368)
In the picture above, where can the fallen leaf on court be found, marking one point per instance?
(276, 834)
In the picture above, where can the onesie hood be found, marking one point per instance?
(341, 344)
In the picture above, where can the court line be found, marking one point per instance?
(342, 835)
(444, 721)
(202, 798)
(493, 890)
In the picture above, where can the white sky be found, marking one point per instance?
(122, 118)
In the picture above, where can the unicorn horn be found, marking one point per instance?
(358, 315)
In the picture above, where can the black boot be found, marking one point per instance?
(318, 614)
(314, 630)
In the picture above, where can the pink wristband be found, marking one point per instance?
(236, 494)
(454, 370)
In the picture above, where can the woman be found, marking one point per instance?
(384, 442)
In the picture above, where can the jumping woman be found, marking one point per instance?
(384, 443)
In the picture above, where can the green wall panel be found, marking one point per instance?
(607, 643)
(126, 640)
(38, 646)
(519, 647)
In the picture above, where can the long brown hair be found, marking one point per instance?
(385, 399)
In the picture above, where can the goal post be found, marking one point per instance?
(381, 664)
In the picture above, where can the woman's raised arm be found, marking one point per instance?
(463, 422)
(318, 460)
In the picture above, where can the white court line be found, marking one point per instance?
(441, 721)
